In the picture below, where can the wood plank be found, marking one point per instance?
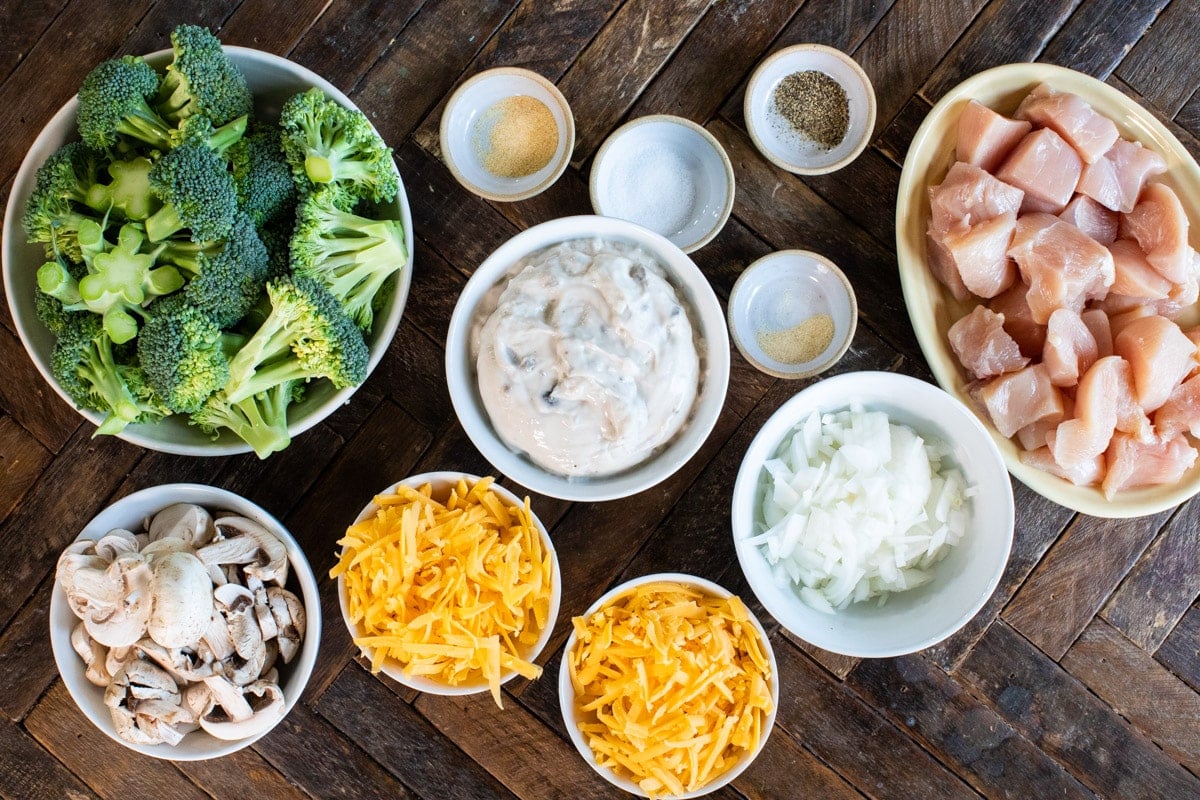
(1159, 589)
(1180, 652)
(348, 38)
(783, 765)
(400, 739)
(725, 258)
(314, 755)
(414, 375)
(622, 59)
(962, 732)
(1100, 33)
(1057, 601)
(433, 294)
(27, 770)
(72, 490)
(21, 25)
(30, 401)
(109, 768)
(241, 774)
(153, 31)
(258, 24)
(545, 37)
(304, 462)
(25, 655)
(1163, 706)
(1055, 712)
(568, 196)
(156, 468)
(862, 746)
(22, 460)
(1162, 65)
(893, 142)
(864, 190)
(838, 665)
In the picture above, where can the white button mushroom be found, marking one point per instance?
(182, 600)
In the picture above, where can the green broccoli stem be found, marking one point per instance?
(163, 280)
(120, 325)
(174, 98)
(266, 378)
(54, 279)
(100, 370)
(163, 223)
(339, 161)
(268, 343)
(185, 255)
(228, 135)
(145, 126)
(260, 420)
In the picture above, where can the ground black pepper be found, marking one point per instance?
(815, 105)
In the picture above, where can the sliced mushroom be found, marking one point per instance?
(184, 665)
(183, 600)
(289, 617)
(265, 702)
(116, 542)
(93, 654)
(78, 555)
(118, 601)
(117, 658)
(191, 523)
(132, 688)
(237, 605)
(226, 703)
(246, 542)
(196, 699)
(262, 608)
(163, 546)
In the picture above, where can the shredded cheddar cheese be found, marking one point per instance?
(453, 591)
(671, 685)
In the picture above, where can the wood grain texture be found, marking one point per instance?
(1180, 652)
(22, 459)
(21, 25)
(1162, 65)
(30, 401)
(28, 770)
(25, 655)
(1100, 33)
(349, 37)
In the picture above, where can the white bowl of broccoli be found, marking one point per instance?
(243, 364)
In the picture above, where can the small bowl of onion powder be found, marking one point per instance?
(792, 314)
(810, 109)
(507, 134)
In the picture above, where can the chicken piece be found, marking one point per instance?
(1159, 355)
(980, 254)
(1063, 266)
(1116, 180)
(1130, 464)
(1034, 436)
(982, 345)
(1086, 435)
(968, 196)
(1134, 277)
(1072, 118)
(1045, 168)
(985, 138)
(1070, 348)
(941, 264)
(1160, 225)
(1016, 399)
(1013, 306)
(1181, 412)
(1131, 418)
(1092, 218)
(1096, 321)
(1119, 318)
(1084, 473)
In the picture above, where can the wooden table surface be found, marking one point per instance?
(1078, 679)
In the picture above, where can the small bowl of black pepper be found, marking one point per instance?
(810, 109)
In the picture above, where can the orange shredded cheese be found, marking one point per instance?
(671, 685)
(453, 591)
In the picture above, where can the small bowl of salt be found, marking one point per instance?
(665, 173)
(810, 109)
(792, 314)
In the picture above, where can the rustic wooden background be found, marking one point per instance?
(1078, 679)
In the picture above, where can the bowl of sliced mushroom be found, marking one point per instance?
(184, 621)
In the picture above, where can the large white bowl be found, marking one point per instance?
(273, 80)
(708, 325)
(933, 310)
(566, 692)
(963, 581)
(128, 513)
(442, 483)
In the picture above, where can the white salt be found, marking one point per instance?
(656, 188)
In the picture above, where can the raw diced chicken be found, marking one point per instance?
(1072, 118)
(1017, 399)
(1160, 225)
(1092, 218)
(1131, 418)
(1134, 275)
(1179, 298)
(1116, 180)
(1031, 437)
(980, 254)
(1085, 473)
(941, 264)
(1131, 464)
(1097, 322)
(1063, 266)
(1181, 412)
(968, 196)
(982, 345)
(1086, 435)
(985, 138)
(1013, 305)
(1117, 320)
(1159, 355)
(1070, 348)
(1045, 168)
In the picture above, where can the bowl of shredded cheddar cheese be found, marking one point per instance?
(449, 584)
(668, 686)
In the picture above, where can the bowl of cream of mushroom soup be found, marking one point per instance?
(184, 621)
(587, 358)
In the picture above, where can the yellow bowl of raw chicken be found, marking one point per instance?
(933, 310)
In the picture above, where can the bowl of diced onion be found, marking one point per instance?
(873, 515)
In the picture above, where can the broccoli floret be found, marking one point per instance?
(201, 130)
(56, 209)
(180, 349)
(326, 143)
(128, 191)
(121, 278)
(197, 192)
(263, 177)
(201, 80)
(277, 237)
(83, 364)
(225, 278)
(305, 336)
(114, 100)
(353, 256)
(259, 420)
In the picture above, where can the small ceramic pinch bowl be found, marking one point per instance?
(778, 140)
(665, 173)
(467, 125)
(792, 314)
